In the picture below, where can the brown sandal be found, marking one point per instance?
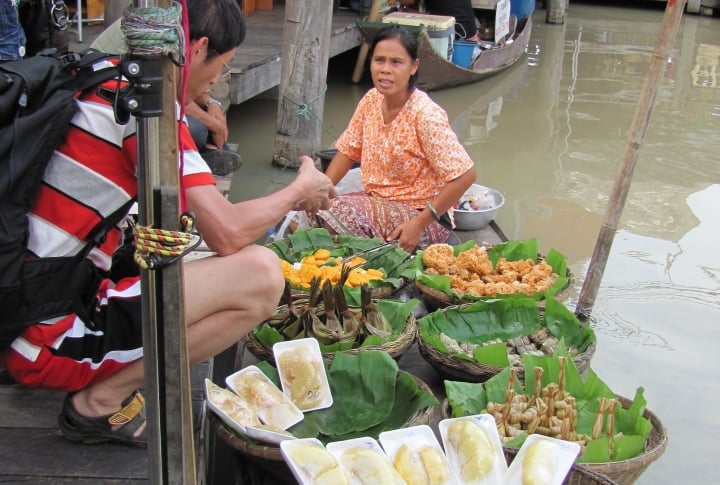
(82, 429)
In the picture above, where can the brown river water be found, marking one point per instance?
(550, 134)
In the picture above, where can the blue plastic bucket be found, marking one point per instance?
(462, 53)
(522, 8)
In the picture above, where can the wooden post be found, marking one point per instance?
(303, 79)
(373, 16)
(171, 453)
(635, 138)
(555, 13)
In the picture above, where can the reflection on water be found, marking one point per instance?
(550, 134)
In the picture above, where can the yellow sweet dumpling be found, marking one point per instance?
(318, 464)
(369, 467)
(539, 463)
(424, 466)
(434, 464)
(408, 464)
(321, 265)
(474, 449)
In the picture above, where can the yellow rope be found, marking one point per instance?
(155, 248)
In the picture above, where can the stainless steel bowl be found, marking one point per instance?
(470, 220)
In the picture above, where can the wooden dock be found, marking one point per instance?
(255, 68)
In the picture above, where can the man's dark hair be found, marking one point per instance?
(221, 21)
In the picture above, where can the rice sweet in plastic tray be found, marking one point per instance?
(417, 455)
(473, 448)
(302, 373)
(272, 406)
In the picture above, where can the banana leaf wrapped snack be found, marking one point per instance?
(338, 325)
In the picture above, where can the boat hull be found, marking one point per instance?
(436, 72)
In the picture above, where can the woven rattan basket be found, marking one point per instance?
(435, 299)
(623, 472)
(453, 368)
(272, 452)
(396, 348)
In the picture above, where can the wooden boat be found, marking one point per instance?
(437, 72)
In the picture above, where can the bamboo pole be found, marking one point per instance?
(636, 137)
(373, 16)
(171, 454)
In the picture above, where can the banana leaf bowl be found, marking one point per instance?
(396, 341)
(474, 342)
(473, 273)
(370, 382)
(620, 437)
(307, 253)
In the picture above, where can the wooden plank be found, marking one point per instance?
(264, 4)
(44, 453)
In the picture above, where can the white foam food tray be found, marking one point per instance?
(272, 406)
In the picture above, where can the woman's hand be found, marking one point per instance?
(408, 234)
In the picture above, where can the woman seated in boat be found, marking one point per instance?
(412, 164)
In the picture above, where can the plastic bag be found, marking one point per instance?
(292, 221)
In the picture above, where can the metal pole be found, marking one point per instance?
(171, 454)
(636, 136)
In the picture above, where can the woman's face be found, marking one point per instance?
(206, 68)
(391, 67)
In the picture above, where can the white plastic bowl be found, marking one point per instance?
(470, 220)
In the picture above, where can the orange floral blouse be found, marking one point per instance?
(410, 159)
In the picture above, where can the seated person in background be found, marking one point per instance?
(206, 119)
(465, 25)
(208, 127)
(412, 164)
(98, 358)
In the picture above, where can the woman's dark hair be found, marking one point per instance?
(221, 21)
(406, 38)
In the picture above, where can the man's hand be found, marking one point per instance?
(315, 189)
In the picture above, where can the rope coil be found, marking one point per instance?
(152, 31)
(157, 248)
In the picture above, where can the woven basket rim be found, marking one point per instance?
(655, 445)
(272, 452)
(479, 372)
(395, 348)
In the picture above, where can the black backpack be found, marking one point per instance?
(37, 103)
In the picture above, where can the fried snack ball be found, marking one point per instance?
(439, 257)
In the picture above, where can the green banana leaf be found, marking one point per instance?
(503, 319)
(511, 251)
(467, 399)
(396, 311)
